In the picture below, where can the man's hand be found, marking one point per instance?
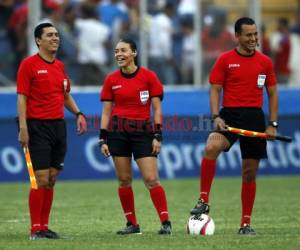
(23, 137)
(271, 132)
(219, 124)
(81, 125)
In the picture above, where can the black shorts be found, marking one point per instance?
(47, 143)
(130, 137)
(250, 119)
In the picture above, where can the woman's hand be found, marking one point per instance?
(156, 146)
(104, 148)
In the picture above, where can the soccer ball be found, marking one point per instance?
(200, 225)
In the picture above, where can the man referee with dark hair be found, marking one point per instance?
(241, 74)
(43, 90)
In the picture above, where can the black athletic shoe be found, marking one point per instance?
(200, 208)
(51, 234)
(246, 230)
(39, 235)
(130, 229)
(166, 228)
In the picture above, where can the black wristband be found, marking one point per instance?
(79, 113)
(157, 128)
(158, 132)
(158, 137)
(103, 134)
(101, 142)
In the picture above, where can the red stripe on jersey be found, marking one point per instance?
(131, 94)
(242, 78)
(45, 85)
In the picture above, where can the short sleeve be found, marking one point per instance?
(106, 93)
(23, 79)
(218, 72)
(68, 87)
(271, 76)
(155, 86)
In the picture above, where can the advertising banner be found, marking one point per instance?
(181, 153)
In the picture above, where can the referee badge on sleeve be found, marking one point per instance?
(144, 96)
(261, 81)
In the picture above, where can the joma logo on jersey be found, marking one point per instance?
(233, 65)
(116, 87)
(42, 71)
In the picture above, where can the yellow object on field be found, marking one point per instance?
(33, 183)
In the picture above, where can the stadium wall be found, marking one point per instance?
(186, 126)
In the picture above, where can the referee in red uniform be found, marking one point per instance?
(242, 74)
(126, 130)
(43, 90)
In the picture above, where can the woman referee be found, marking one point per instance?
(126, 130)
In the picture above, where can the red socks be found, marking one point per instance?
(158, 197)
(159, 200)
(36, 198)
(248, 197)
(40, 202)
(48, 198)
(207, 173)
(127, 202)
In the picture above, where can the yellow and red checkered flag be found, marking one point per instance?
(251, 133)
(33, 183)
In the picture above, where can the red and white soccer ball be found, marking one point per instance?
(200, 225)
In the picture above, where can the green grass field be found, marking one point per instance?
(88, 214)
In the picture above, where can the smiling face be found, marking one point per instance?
(49, 40)
(248, 38)
(124, 55)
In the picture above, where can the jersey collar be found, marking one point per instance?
(45, 60)
(130, 75)
(244, 55)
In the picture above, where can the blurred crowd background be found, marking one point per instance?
(89, 30)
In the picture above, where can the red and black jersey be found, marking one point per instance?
(45, 85)
(131, 94)
(243, 78)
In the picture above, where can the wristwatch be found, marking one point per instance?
(79, 113)
(274, 124)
